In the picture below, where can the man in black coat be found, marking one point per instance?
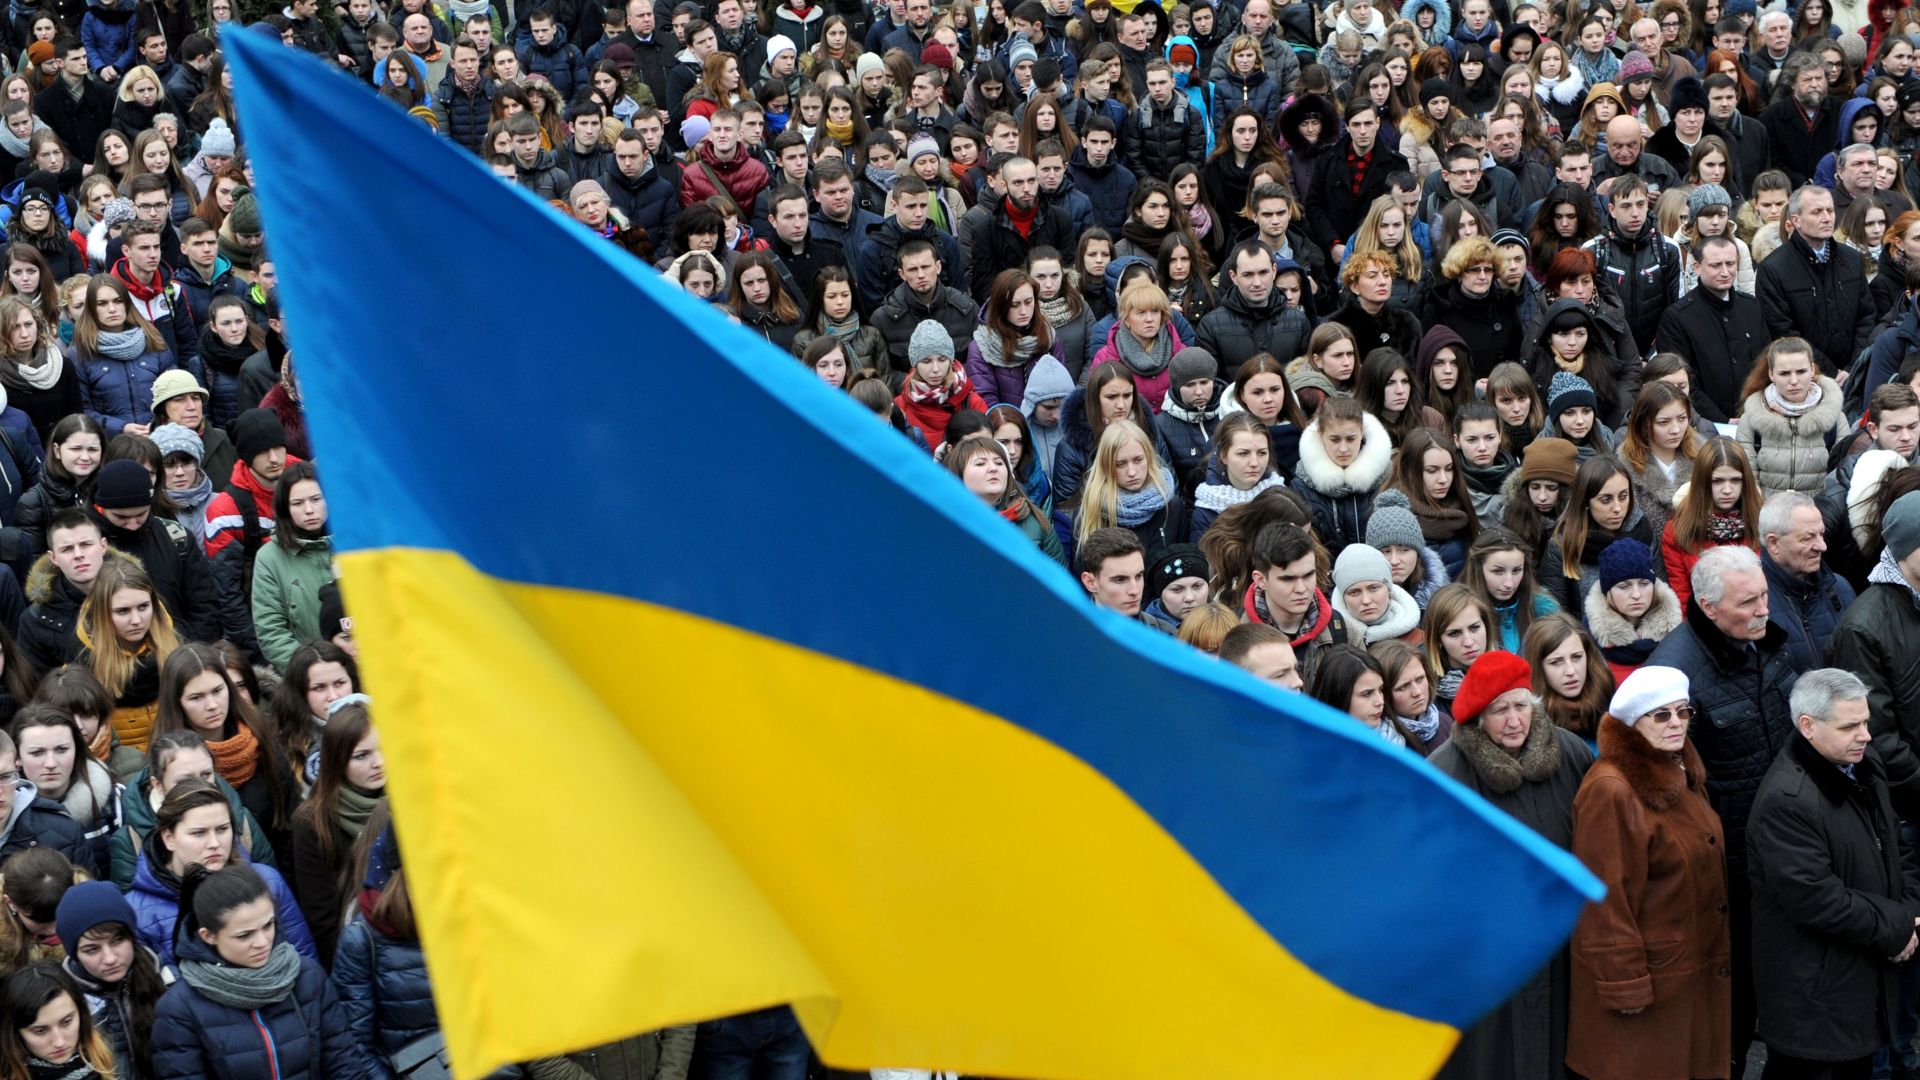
(1252, 317)
(1349, 177)
(911, 220)
(1020, 222)
(1802, 126)
(1642, 267)
(1814, 287)
(648, 200)
(1877, 639)
(1836, 898)
(77, 107)
(920, 296)
(1719, 330)
(648, 53)
(28, 819)
(123, 507)
(1742, 674)
(801, 254)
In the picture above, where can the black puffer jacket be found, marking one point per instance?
(1238, 330)
(1158, 137)
(303, 1036)
(1827, 303)
(1832, 900)
(1644, 273)
(1741, 720)
(902, 311)
(464, 115)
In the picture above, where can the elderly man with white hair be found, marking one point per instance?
(1804, 597)
(1742, 673)
(1835, 903)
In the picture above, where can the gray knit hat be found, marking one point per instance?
(1393, 523)
(174, 439)
(1192, 363)
(929, 339)
(1021, 51)
(1705, 195)
(118, 211)
(1900, 525)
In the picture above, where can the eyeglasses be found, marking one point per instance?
(1661, 716)
(1478, 270)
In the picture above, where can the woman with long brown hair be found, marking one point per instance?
(1569, 675)
(125, 635)
(352, 782)
(1721, 506)
(198, 694)
(1599, 510)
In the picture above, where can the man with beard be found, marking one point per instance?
(1020, 222)
(1804, 125)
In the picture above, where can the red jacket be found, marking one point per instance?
(224, 524)
(744, 177)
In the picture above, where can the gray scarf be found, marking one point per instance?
(246, 988)
(16, 145)
(1143, 360)
(1779, 403)
(991, 351)
(1059, 310)
(122, 345)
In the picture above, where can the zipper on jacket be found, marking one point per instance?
(273, 1051)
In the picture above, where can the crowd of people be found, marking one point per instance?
(1536, 382)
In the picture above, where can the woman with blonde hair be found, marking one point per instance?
(1129, 486)
(1388, 229)
(125, 635)
(1143, 339)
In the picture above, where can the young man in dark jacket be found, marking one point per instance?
(1349, 177)
(1252, 316)
(123, 507)
(57, 586)
(1718, 329)
(551, 55)
(1642, 267)
(1164, 131)
(1098, 174)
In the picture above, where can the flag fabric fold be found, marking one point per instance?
(701, 690)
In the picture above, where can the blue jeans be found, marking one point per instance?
(763, 1045)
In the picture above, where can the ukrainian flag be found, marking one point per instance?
(703, 691)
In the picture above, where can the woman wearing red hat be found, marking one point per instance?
(1505, 748)
(1652, 985)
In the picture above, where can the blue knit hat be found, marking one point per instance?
(87, 905)
(1742, 7)
(1625, 560)
(1569, 391)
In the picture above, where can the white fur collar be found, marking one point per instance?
(1367, 470)
(1611, 629)
(1399, 621)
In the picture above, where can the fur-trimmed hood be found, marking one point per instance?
(1611, 629)
(1650, 772)
(43, 578)
(1442, 19)
(1367, 470)
(1771, 426)
(1502, 772)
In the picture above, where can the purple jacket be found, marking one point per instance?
(998, 385)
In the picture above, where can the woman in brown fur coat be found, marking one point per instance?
(1652, 978)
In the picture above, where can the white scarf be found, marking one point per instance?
(46, 373)
(1787, 408)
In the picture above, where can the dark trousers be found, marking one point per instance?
(1782, 1066)
(1740, 930)
(763, 1045)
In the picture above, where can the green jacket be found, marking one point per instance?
(654, 1055)
(286, 595)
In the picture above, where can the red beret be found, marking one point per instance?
(1493, 674)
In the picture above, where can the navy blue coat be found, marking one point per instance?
(561, 63)
(120, 392)
(301, 1037)
(382, 983)
(1807, 610)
